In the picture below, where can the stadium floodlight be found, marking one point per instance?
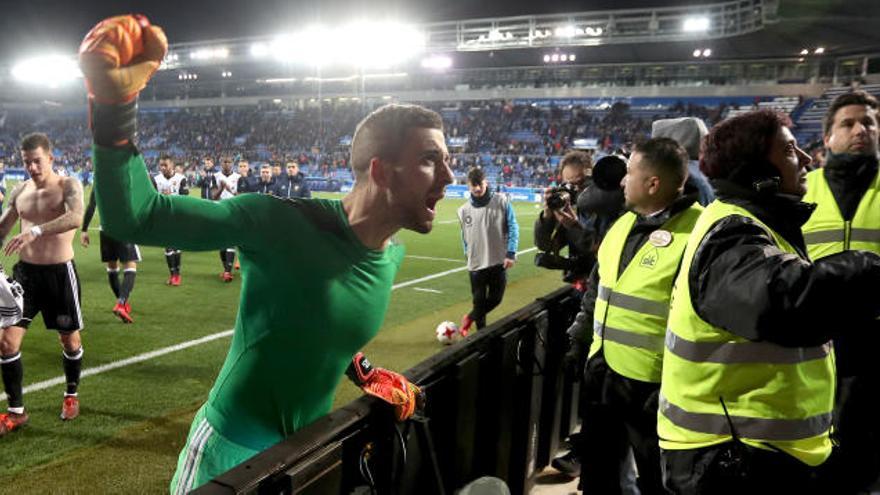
(593, 31)
(696, 25)
(389, 75)
(819, 50)
(362, 44)
(382, 45)
(568, 31)
(571, 57)
(805, 52)
(260, 50)
(49, 70)
(554, 57)
(209, 53)
(546, 59)
(697, 52)
(278, 80)
(563, 58)
(707, 52)
(437, 62)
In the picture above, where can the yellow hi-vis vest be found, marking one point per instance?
(776, 397)
(630, 315)
(825, 233)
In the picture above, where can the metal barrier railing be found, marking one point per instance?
(498, 404)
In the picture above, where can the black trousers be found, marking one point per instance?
(487, 289)
(618, 414)
(857, 432)
(734, 468)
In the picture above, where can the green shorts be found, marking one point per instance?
(205, 456)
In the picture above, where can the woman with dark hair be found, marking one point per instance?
(748, 373)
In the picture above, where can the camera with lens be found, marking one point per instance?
(561, 195)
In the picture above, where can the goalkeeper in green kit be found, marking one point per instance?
(313, 292)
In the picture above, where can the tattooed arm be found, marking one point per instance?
(71, 219)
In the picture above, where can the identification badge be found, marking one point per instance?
(660, 238)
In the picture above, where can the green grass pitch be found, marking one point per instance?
(134, 418)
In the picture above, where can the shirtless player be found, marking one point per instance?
(51, 209)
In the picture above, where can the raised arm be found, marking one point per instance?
(118, 57)
(131, 210)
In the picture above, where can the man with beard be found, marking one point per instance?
(847, 217)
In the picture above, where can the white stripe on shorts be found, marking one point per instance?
(193, 456)
(74, 282)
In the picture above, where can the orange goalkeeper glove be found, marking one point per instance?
(389, 386)
(118, 57)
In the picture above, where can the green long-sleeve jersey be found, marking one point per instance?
(312, 294)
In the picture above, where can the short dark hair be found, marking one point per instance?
(166, 156)
(576, 158)
(383, 132)
(476, 176)
(666, 157)
(737, 148)
(844, 100)
(36, 140)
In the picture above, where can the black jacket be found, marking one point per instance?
(741, 282)
(265, 187)
(293, 187)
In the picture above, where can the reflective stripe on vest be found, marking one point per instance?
(631, 339)
(741, 352)
(638, 304)
(823, 236)
(826, 233)
(772, 429)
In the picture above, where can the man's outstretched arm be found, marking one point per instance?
(118, 57)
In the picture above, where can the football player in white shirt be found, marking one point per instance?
(227, 181)
(170, 181)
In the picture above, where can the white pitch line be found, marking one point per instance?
(60, 380)
(431, 258)
(443, 274)
(433, 291)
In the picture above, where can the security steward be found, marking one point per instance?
(637, 263)
(748, 374)
(847, 217)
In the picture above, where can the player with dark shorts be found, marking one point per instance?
(171, 182)
(113, 253)
(51, 209)
(50, 290)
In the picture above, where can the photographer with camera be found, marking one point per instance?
(559, 226)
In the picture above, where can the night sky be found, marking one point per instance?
(28, 27)
(33, 27)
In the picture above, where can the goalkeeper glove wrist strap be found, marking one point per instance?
(360, 371)
(113, 124)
